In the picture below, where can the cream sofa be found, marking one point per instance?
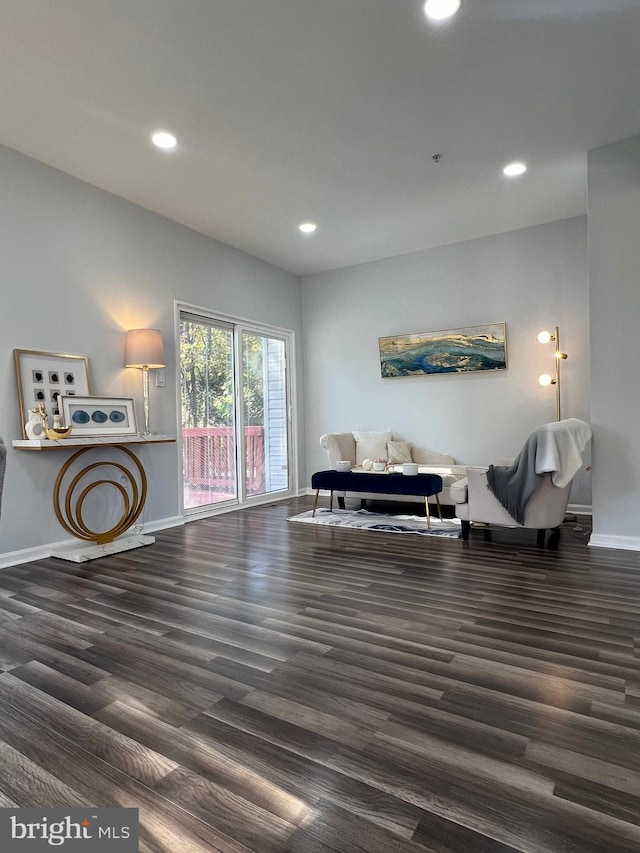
(359, 446)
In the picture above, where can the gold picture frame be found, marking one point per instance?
(43, 377)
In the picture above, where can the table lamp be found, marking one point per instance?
(144, 349)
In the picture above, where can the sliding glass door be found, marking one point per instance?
(208, 416)
(235, 410)
(265, 419)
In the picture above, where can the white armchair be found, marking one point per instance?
(475, 503)
(535, 488)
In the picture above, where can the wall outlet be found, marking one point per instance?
(160, 378)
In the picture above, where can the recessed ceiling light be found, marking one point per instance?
(307, 227)
(438, 10)
(162, 139)
(514, 169)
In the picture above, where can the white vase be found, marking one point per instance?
(33, 426)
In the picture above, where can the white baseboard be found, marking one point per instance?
(28, 555)
(580, 509)
(626, 543)
(42, 552)
(163, 524)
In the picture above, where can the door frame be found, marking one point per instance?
(240, 324)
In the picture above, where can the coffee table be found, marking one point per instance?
(420, 485)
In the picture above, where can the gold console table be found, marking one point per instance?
(69, 493)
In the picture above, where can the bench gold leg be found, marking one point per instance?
(439, 508)
(426, 504)
(331, 501)
(315, 504)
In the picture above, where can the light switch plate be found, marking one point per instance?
(160, 378)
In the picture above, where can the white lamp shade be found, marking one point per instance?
(144, 348)
(441, 9)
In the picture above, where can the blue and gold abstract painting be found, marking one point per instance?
(447, 351)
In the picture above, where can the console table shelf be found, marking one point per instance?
(89, 441)
(70, 491)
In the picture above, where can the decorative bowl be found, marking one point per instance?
(343, 465)
(410, 469)
(379, 466)
(56, 434)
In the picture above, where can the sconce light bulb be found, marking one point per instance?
(545, 380)
(544, 337)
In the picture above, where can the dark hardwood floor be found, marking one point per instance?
(255, 685)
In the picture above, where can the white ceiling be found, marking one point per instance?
(329, 110)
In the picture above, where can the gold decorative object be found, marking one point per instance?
(69, 494)
(55, 433)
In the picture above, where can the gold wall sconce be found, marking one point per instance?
(545, 379)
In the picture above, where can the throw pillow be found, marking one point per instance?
(371, 445)
(399, 452)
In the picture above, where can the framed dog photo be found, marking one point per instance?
(99, 415)
(44, 377)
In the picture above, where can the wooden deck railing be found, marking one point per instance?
(209, 458)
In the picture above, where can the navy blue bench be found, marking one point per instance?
(420, 485)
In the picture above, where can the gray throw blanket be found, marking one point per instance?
(514, 486)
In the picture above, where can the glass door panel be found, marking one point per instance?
(265, 414)
(207, 408)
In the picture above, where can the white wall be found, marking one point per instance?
(533, 278)
(78, 266)
(614, 273)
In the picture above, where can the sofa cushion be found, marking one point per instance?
(371, 445)
(398, 452)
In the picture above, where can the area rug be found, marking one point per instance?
(362, 519)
